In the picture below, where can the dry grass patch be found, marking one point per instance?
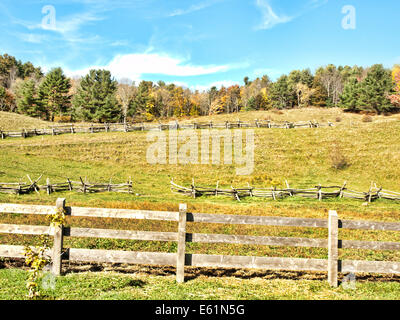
(13, 122)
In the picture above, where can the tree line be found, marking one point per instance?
(98, 97)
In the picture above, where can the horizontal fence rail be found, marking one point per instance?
(181, 259)
(130, 127)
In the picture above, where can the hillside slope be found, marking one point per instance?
(13, 121)
(293, 115)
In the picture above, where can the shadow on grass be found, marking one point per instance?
(192, 273)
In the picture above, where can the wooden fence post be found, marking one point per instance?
(180, 263)
(58, 242)
(333, 251)
(48, 186)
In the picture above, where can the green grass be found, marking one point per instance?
(141, 286)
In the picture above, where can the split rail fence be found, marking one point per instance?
(332, 265)
(129, 127)
(79, 186)
(317, 192)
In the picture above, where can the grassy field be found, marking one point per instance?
(140, 285)
(302, 156)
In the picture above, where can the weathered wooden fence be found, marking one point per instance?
(332, 265)
(79, 186)
(317, 192)
(129, 127)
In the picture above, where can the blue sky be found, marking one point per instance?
(198, 43)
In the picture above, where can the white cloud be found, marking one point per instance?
(31, 37)
(316, 3)
(193, 8)
(270, 18)
(134, 66)
(119, 43)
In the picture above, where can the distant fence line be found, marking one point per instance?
(130, 127)
(180, 259)
(79, 186)
(317, 192)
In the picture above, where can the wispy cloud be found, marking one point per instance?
(269, 17)
(65, 25)
(313, 4)
(73, 23)
(194, 8)
(31, 37)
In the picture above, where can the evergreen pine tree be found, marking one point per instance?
(349, 99)
(280, 93)
(96, 98)
(53, 93)
(27, 100)
(375, 90)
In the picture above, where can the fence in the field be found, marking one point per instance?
(180, 259)
(318, 192)
(79, 186)
(129, 127)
